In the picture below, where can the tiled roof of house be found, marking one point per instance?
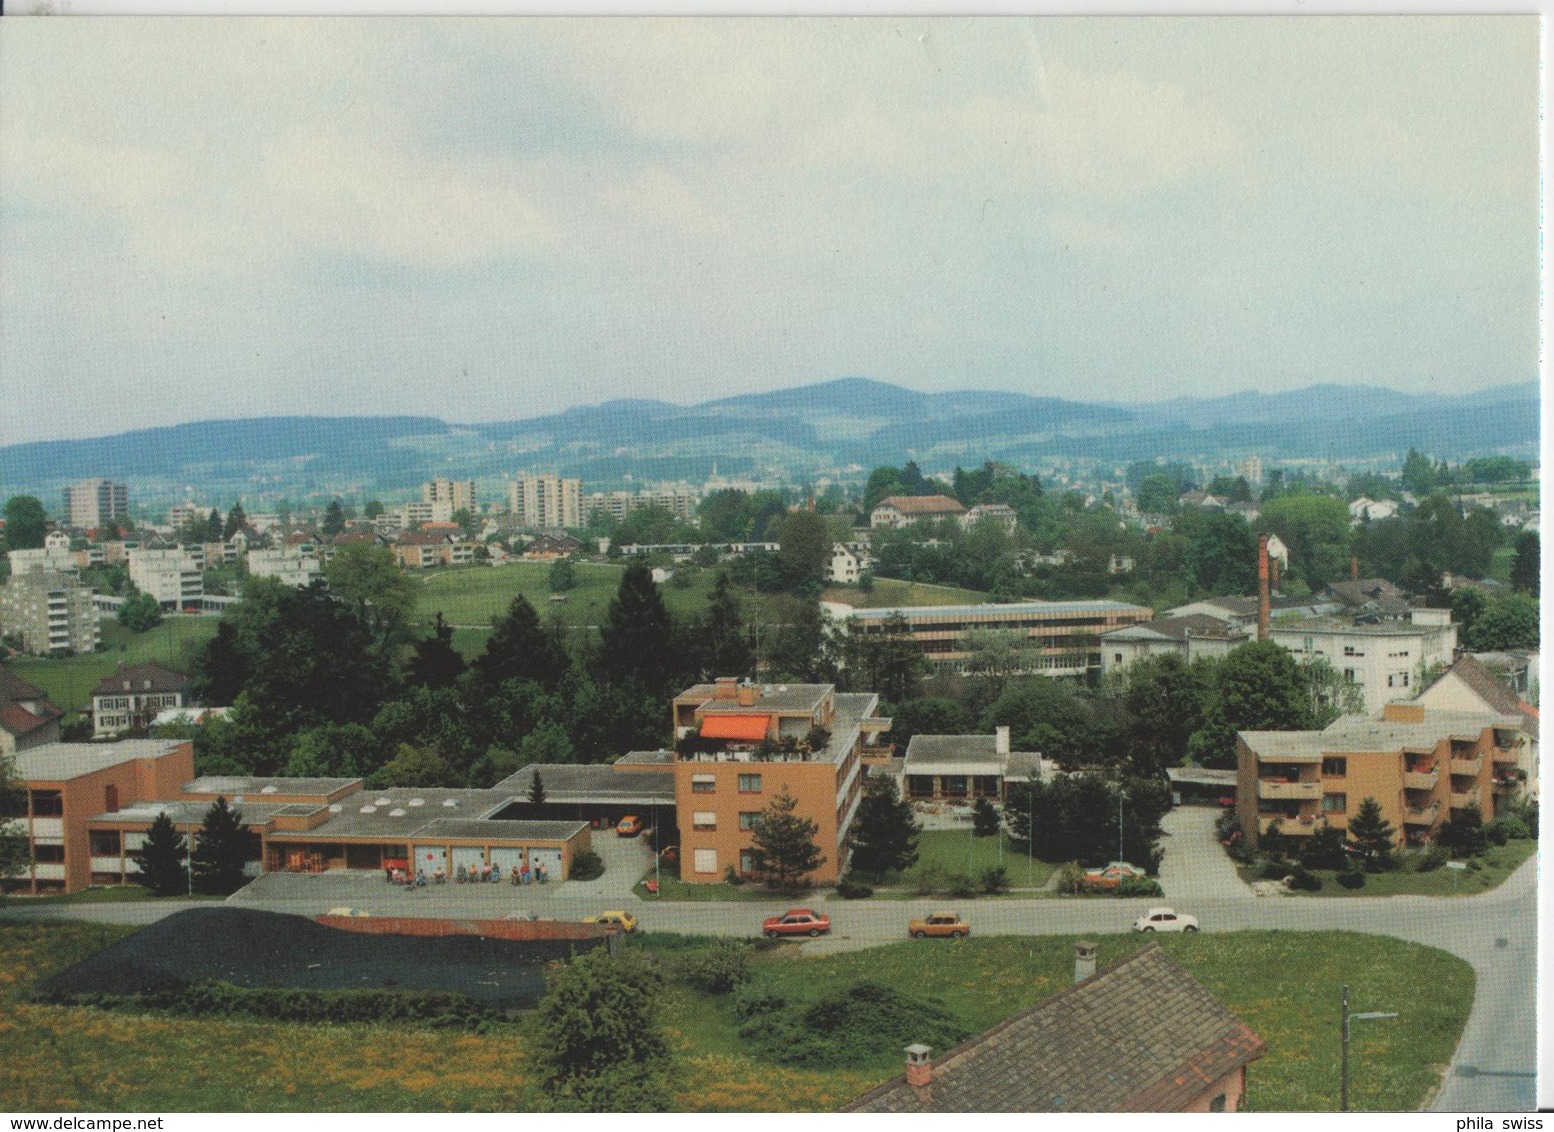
(1141, 1036)
(923, 504)
(18, 721)
(13, 688)
(1485, 684)
(1177, 629)
(147, 677)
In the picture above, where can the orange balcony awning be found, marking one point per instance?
(748, 728)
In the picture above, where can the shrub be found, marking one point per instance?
(1140, 886)
(984, 819)
(960, 884)
(995, 880)
(1474, 865)
(752, 999)
(587, 865)
(847, 1027)
(1304, 880)
(717, 969)
(1352, 878)
(1495, 832)
(731, 876)
(849, 889)
(926, 880)
(1515, 829)
(1277, 868)
(1433, 858)
(1070, 878)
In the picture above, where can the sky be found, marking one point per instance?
(494, 219)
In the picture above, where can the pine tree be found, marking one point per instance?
(783, 845)
(213, 526)
(236, 521)
(222, 669)
(884, 836)
(334, 519)
(436, 663)
(161, 861)
(984, 818)
(518, 649)
(1371, 836)
(536, 790)
(724, 644)
(220, 850)
(1524, 568)
(636, 638)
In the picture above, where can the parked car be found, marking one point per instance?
(1165, 920)
(615, 921)
(796, 921)
(629, 826)
(357, 912)
(939, 924)
(1112, 875)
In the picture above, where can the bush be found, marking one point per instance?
(731, 876)
(1277, 868)
(1304, 880)
(717, 969)
(1070, 878)
(1514, 828)
(984, 819)
(753, 999)
(1495, 832)
(1433, 858)
(1140, 886)
(960, 884)
(587, 865)
(995, 880)
(926, 880)
(849, 889)
(1352, 878)
(847, 1027)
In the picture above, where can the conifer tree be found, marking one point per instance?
(636, 641)
(220, 850)
(519, 649)
(884, 836)
(436, 664)
(160, 861)
(783, 845)
(536, 790)
(236, 521)
(724, 645)
(1371, 836)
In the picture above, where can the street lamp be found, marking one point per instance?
(1343, 1087)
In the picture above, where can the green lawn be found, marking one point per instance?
(888, 593)
(1485, 872)
(69, 681)
(954, 851)
(1285, 985)
(115, 894)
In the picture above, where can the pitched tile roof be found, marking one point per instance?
(147, 677)
(1141, 1036)
(1485, 684)
(923, 504)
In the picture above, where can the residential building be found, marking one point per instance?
(1385, 659)
(847, 564)
(410, 516)
(420, 550)
(447, 497)
(903, 510)
(1190, 637)
(291, 567)
(961, 768)
(1000, 513)
(1471, 685)
(1063, 638)
(546, 502)
(553, 546)
(1419, 764)
(97, 503)
(57, 559)
(1139, 1036)
(1363, 510)
(68, 784)
(132, 697)
(1360, 596)
(681, 502)
(1242, 611)
(51, 611)
(173, 577)
(27, 718)
(739, 747)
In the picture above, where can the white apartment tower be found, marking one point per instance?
(449, 496)
(546, 502)
(93, 504)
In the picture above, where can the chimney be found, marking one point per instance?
(1354, 567)
(748, 694)
(1084, 960)
(1273, 575)
(1001, 740)
(919, 1069)
(726, 688)
(1262, 588)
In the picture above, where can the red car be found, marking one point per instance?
(796, 921)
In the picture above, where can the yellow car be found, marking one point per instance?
(614, 921)
(942, 924)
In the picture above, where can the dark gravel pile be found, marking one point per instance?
(268, 949)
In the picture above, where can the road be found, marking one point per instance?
(1496, 932)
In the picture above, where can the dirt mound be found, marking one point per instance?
(268, 949)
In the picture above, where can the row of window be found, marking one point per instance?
(707, 820)
(706, 861)
(708, 784)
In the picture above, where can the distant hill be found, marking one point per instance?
(793, 433)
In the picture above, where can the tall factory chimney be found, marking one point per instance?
(1263, 608)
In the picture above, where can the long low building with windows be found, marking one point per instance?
(1062, 638)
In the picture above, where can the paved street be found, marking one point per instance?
(1496, 931)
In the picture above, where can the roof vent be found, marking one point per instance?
(418, 801)
(237, 799)
(268, 790)
(396, 813)
(337, 808)
(450, 802)
(369, 809)
(381, 801)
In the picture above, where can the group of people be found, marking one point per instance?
(484, 873)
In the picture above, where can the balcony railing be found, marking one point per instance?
(1422, 779)
(1422, 815)
(1303, 826)
(1276, 788)
(1467, 766)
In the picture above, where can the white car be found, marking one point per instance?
(1165, 920)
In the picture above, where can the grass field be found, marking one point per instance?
(1284, 984)
(69, 681)
(1486, 871)
(888, 593)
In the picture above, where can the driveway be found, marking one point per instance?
(1195, 867)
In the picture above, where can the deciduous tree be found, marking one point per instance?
(15, 850)
(25, 523)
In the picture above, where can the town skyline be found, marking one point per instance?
(562, 213)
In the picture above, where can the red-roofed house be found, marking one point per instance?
(27, 718)
(904, 510)
(131, 698)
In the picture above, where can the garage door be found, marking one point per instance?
(468, 857)
(430, 858)
(550, 858)
(507, 859)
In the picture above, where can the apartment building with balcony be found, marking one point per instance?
(1420, 764)
(741, 746)
(94, 504)
(52, 612)
(288, 565)
(681, 502)
(67, 785)
(173, 577)
(546, 502)
(1471, 685)
(447, 497)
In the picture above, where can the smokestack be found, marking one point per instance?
(1263, 610)
(919, 1069)
(1354, 567)
(1273, 574)
(1084, 960)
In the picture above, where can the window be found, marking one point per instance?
(1335, 768)
(105, 842)
(1405, 678)
(703, 784)
(704, 819)
(48, 854)
(747, 862)
(747, 819)
(706, 861)
(749, 783)
(47, 804)
(1349, 675)
(1335, 803)
(1116, 658)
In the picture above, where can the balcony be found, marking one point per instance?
(1467, 766)
(1422, 815)
(1278, 788)
(1421, 779)
(1463, 801)
(1303, 826)
(48, 828)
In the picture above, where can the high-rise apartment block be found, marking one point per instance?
(447, 497)
(50, 610)
(546, 502)
(93, 504)
(171, 576)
